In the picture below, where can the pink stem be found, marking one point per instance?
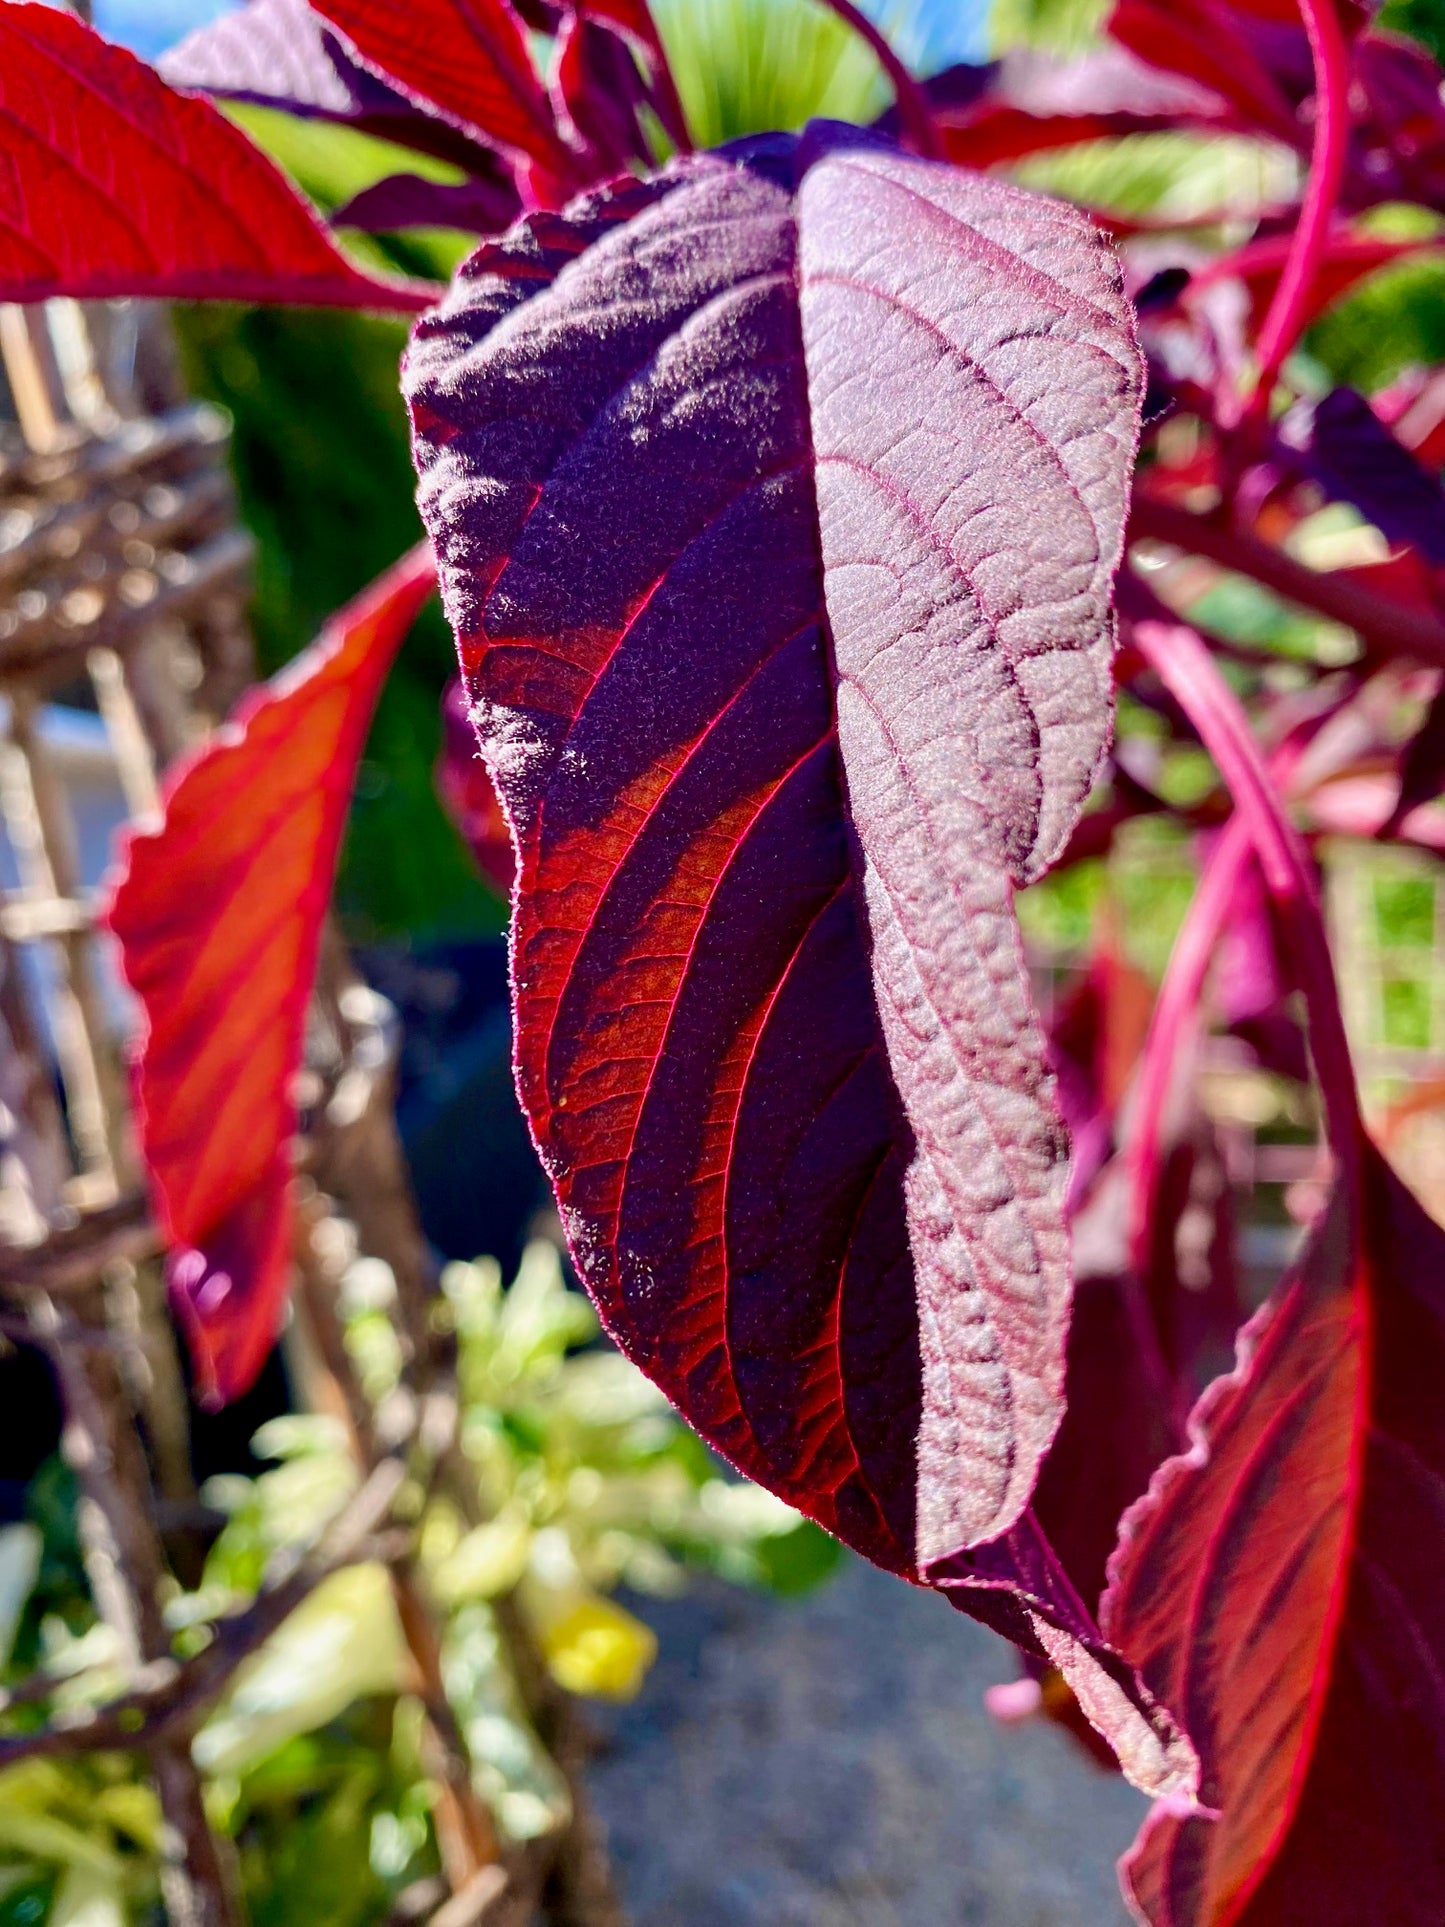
(1185, 667)
(1173, 1024)
(915, 115)
(1287, 310)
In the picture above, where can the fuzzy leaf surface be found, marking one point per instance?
(113, 184)
(219, 914)
(774, 752)
(280, 53)
(1280, 1586)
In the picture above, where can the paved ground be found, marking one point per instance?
(827, 1763)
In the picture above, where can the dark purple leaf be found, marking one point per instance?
(1343, 445)
(1399, 126)
(484, 204)
(779, 1052)
(1121, 1417)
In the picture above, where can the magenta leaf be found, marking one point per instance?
(218, 913)
(113, 184)
(774, 755)
(597, 92)
(470, 796)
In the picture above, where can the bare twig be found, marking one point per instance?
(169, 1699)
(71, 1259)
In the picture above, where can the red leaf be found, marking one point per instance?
(1346, 259)
(468, 59)
(687, 908)
(597, 90)
(113, 184)
(1206, 42)
(219, 914)
(1280, 1588)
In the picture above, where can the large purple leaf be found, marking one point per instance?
(775, 753)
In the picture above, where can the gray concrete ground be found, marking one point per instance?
(828, 1763)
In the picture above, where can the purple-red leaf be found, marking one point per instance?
(597, 91)
(775, 753)
(1342, 443)
(282, 54)
(483, 204)
(219, 915)
(112, 184)
(1280, 1587)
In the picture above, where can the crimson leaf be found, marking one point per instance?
(111, 184)
(219, 913)
(468, 60)
(1280, 1585)
(777, 526)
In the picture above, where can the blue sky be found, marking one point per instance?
(152, 25)
(948, 29)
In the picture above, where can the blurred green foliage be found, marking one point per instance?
(586, 1482)
(323, 470)
(748, 66)
(1392, 321)
(1056, 26)
(1425, 19)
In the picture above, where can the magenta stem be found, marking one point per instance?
(1286, 314)
(915, 115)
(1188, 672)
(1174, 1024)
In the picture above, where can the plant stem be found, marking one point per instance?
(1285, 317)
(915, 115)
(1184, 665)
(1174, 1025)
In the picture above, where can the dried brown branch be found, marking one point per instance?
(169, 1698)
(71, 1259)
